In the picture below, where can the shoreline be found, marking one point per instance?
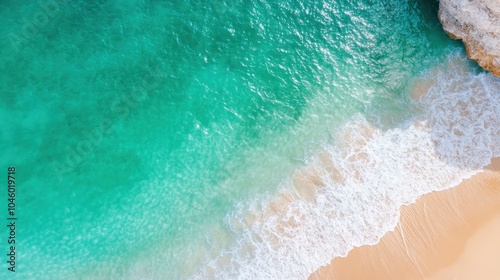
(430, 236)
(432, 233)
(368, 188)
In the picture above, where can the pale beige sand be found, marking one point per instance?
(432, 235)
(481, 257)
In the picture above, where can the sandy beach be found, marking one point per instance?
(450, 234)
(480, 258)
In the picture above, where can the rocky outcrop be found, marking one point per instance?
(477, 24)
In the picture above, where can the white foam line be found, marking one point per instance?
(456, 134)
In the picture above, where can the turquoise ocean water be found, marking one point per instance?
(140, 129)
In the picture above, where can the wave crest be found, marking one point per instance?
(350, 194)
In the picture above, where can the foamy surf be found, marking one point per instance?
(351, 193)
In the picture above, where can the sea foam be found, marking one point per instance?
(350, 194)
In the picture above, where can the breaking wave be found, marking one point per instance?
(350, 194)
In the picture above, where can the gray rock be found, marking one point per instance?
(477, 24)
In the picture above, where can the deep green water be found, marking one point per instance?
(136, 126)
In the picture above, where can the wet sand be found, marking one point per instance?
(439, 237)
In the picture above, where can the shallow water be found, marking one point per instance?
(142, 131)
